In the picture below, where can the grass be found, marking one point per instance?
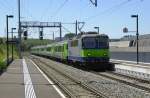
(26, 45)
(3, 55)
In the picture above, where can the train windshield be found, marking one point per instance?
(95, 42)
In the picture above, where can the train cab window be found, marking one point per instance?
(88, 43)
(95, 42)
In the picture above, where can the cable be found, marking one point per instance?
(111, 9)
(26, 9)
(5, 6)
(61, 6)
(47, 9)
(66, 29)
(10, 6)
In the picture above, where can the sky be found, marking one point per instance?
(110, 15)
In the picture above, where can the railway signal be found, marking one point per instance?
(41, 35)
(25, 35)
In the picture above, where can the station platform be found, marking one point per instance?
(132, 66)
(23, 79)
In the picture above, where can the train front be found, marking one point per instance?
(95, 51)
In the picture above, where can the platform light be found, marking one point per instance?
(125, 30)
(97, 29)
(137, 35)
(7, 18)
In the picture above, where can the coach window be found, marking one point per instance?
(62, 48)
(58, 48)
(49, 49)
(74, 43)
(67, 46)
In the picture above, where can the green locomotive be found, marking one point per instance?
(91, 50)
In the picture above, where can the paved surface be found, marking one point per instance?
(132, 66)
(11, 82)
(23, 80)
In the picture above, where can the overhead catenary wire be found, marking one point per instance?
(6, 7)
(66, 29)
(26, 9)
(60, 7)
(47, 8)
(109, 10)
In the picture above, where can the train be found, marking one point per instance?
(89, 49)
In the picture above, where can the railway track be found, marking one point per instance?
(71, 86)
(107, 86)
(139, 75)
(133, 77)
(126, 79)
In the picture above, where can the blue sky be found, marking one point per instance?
(110, 15)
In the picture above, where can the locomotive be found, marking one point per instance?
(90, 50)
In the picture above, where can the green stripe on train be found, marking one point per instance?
(65, 51)
(94, 53)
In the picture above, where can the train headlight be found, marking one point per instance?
(105, 54)
(88, 54)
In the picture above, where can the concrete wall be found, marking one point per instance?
(123, 50)
(129, 49)
(119, 44)
(131, 56)
(142, 43)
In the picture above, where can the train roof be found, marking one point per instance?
(88, 34)
(61, 42)
(81, 35)
(36, 47)
(48, 45)
(92, 35)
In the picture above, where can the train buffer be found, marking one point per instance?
(23, 79)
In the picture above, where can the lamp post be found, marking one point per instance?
(97, 29)
(125, 30)
(12, 29)
(7, 17)
(19, 29)
(137, 36)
